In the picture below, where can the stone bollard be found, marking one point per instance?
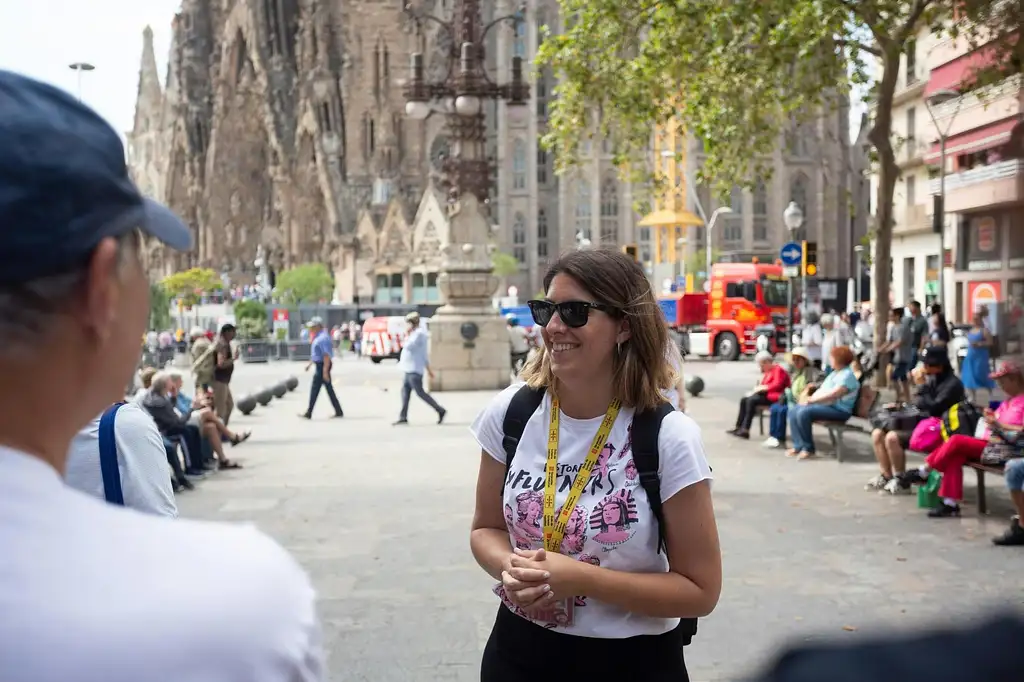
(246, 404)
(292, 382)
(264, 396)
(280, 389)
(695, 385)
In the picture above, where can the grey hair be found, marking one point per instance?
(174, 375)
(161, 380)
(29, 309)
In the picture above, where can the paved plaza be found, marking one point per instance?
(380, 517)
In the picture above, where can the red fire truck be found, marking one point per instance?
(744, 301)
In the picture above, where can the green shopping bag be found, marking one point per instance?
(928, 494)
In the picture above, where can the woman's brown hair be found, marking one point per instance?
(842, 356)
(641, 369)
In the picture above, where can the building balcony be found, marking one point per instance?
(1002, 103)
(911, 153)
(997, 184)
(911, 219)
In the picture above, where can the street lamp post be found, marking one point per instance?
(80, 67)
(681, 262)
(859, 251)
(793, 217)
(938, 98)
(470, 349)
(721, 210)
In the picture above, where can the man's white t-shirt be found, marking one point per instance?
(141, 461)
(92, 592)
(811, 339)
(612, 525)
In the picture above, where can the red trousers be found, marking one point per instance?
(950, 458)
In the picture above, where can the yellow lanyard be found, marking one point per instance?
(554, 530)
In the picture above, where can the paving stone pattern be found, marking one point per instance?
(380, 516)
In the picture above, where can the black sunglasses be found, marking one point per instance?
(574, 314)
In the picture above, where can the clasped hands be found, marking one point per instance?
(535, 578)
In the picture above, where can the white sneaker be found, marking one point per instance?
(877, 483)
(771, 443)
(896, 487)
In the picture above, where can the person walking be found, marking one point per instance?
(223, 401)
(322, 355)
(413, 362)
(91, 591)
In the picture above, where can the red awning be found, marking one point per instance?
(985, 137)
(950, 75)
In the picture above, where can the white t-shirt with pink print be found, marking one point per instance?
(612, 525)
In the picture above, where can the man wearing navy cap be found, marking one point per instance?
(94, 592)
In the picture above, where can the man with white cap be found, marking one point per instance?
(321, 354)
(91, 591)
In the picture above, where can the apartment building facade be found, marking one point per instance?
(978, 257)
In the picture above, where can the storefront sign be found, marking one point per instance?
(983, 294)
(984, 246)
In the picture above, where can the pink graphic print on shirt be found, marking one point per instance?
(613, 518)
(529, 514)
(575, 531)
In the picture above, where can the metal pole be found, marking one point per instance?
(941, 297)
(789, 321)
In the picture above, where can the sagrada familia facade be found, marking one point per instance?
(280, 123)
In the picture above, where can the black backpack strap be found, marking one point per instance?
(524, 403)
(646, 428)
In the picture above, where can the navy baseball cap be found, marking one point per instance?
(64, 184)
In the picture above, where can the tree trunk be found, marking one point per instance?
(881, 137)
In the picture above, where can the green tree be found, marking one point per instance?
(254, 310)
(309, 283)
(188, 285)
(505, 265)
(159, 307)
(737, 73)
(697, 262)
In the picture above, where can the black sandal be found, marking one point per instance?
(240, 439)
(229, 465)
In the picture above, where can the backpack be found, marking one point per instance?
(961, 419)
(646, 428)
(108, 457)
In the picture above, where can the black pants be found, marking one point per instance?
(171, 448)
(414, 383)
(314, 391)
(748, 408)
(521, 651)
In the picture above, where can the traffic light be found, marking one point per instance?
(810, 255)
(630, 250)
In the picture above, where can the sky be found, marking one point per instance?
(40, 38)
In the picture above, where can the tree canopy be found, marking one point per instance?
(504, 264)
(738, 73)
(189, 284)
(309, 283)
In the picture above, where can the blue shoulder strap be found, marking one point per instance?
(108, 457)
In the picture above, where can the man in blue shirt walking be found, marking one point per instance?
(413, 361)
(321, 355)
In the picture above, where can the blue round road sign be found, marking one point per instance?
(791, 254)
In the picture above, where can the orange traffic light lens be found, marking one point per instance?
(812, 270)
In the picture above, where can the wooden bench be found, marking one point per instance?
(836, 431)
(982, 469)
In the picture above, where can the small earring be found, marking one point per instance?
(618, 348)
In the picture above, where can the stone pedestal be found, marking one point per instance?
(469, 345)
(459, 365)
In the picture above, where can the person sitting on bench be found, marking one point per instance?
(940, 391)
(774, 380)
(834, 401)
(993, 447)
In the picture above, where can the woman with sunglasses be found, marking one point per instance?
(568, 532)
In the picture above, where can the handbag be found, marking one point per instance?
(928, 493)
(902, 418)
(108, 457)
(927, 435)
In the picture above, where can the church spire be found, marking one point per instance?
(149, 103)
